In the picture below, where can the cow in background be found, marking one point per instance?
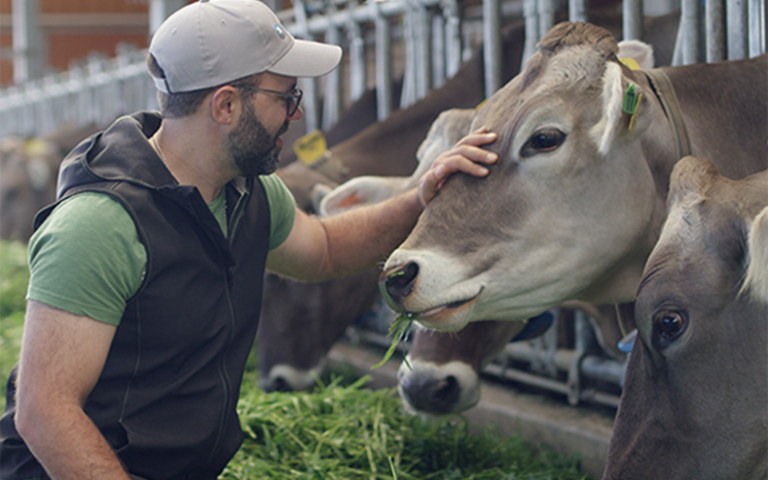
(695, 399)
(28, 172)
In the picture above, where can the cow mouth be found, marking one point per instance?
(440, 313)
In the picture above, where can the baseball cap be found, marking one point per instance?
(212, 42)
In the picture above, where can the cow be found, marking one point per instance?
(442, 370)
(576, 201)
(374, 152)
(695, 398)
(28, 171)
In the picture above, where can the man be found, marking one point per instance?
(146, 275)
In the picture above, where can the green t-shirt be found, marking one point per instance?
(87, 257)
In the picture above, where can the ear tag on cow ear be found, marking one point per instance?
(311, 147)
(630, 62)
(632, 100)
(481, 104)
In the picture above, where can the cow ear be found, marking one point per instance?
(640, 52)
(360, 191)
(756, 280)
(626, 113)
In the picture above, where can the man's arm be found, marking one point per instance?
(62, 356)
(318, 249)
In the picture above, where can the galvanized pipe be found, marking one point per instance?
(357, 65)
(531, 14)
(737, 30)
(757, 27)
(690, 15)
(577, 10)
(332, 104)
(383, 61)
(492, 45)
(632, 19)
(715, 25)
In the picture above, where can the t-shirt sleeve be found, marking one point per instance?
(282, 207)
(87, 258)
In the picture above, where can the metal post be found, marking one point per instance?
(438, 51)
(357, 66)
(332, 105)
(757, 27)
(690, 16)
(531, 14)
(737, 29)
(28, 41)
(408, 94)
(383, 62)
(715, 23)
(423, 26)
(577, 10)
(632, 19)
(159, 10)
(546, 16)
(308, 85)
(452, 37)
(492, 45)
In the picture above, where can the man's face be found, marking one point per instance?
(253, 148)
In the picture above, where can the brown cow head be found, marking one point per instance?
(695, 399)
(516, 243)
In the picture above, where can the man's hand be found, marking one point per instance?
(465, 157)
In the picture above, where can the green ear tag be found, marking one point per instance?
(630, 99)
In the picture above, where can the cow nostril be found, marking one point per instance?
(446, 393)
(400, 282)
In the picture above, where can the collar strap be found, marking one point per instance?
(662, 87)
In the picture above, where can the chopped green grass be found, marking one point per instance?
(352, 433)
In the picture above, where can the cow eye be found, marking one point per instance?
(668, 325)
(544, 140)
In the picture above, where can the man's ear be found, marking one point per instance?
(225, 104)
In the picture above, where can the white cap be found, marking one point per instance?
(210, 43)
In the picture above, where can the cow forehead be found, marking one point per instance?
(567, 75)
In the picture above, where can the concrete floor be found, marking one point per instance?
(569, 430)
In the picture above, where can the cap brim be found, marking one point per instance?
(308, 59)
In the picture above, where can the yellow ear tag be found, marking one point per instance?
(311, 147)
(481, 104)
(630, 62)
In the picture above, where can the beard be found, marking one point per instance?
(252, 147)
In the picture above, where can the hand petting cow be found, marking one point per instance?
(575, 204)
(695, 398)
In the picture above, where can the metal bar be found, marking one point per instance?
(28, 41)
(757, 27)
(159, 10)
(357, 65)
(737, 29)
(332, 104)
(690, 16)
(438, 51)
(632, 19)
(452, 37)
(383, 61)
(492, 45)
(531, 14)
(577, 10)
(715, 24)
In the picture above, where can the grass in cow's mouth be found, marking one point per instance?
(397, 331)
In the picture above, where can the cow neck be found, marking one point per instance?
(665, 93)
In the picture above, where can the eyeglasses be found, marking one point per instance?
(292, 100)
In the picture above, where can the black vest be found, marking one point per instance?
(167, 396)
